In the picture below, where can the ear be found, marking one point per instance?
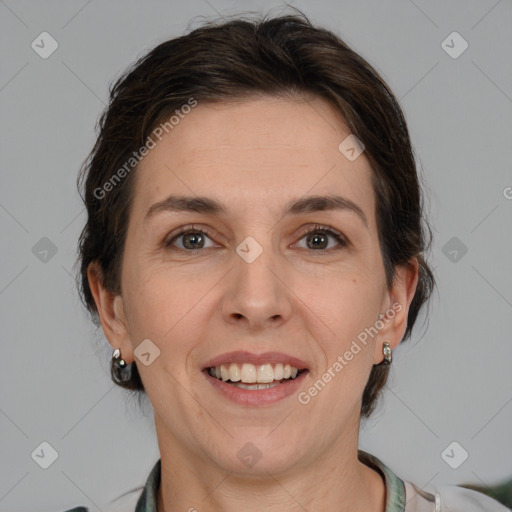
(111, 313)
(396, 307)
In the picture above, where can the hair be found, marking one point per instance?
(240, 59)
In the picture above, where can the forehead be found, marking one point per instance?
(257, 150)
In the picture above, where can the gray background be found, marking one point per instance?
(451, 382)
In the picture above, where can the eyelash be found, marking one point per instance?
(326, 230)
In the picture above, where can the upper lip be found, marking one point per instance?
(241, 356)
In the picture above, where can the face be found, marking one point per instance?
(257, 267)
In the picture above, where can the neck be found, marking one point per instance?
(336, 480)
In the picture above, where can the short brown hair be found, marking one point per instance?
(241, 58)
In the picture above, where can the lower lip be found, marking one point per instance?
(256, 397)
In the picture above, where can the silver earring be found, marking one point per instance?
(117, 360)
(121, 372)
(386, 350)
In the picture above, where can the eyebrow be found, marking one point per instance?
(208, 205)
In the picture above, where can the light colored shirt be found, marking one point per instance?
(401, 495)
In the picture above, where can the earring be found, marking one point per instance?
(116, 359)
(121, 372)
(388, 357)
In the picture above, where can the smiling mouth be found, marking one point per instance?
(255, 377)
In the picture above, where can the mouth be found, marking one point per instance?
(255, 377)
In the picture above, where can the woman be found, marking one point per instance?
(254, 251)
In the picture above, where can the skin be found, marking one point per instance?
(254, 156)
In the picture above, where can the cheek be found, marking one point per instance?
(348, 309)
(164, 305)
(347, 302)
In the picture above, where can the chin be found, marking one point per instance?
(257, 453)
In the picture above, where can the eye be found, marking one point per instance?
(318, 238)
(189, 239)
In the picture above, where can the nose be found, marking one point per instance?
(257, 295)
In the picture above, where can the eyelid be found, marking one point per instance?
(338, 235)
(320, 227)
(183, 230)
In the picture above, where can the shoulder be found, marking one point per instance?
(455, 498)
(449, 498)
(405, 496)
(126, 503)
(139, 499)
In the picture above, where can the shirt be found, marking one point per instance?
(401, 495)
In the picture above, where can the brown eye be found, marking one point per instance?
(318, 239)
(193, 240)
(189, 240)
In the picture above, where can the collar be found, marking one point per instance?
(395, 487)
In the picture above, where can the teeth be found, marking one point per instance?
(265, 373)
(250, 374)
(234, 373)
(224, 374)
(255, 386)
(278, 372)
